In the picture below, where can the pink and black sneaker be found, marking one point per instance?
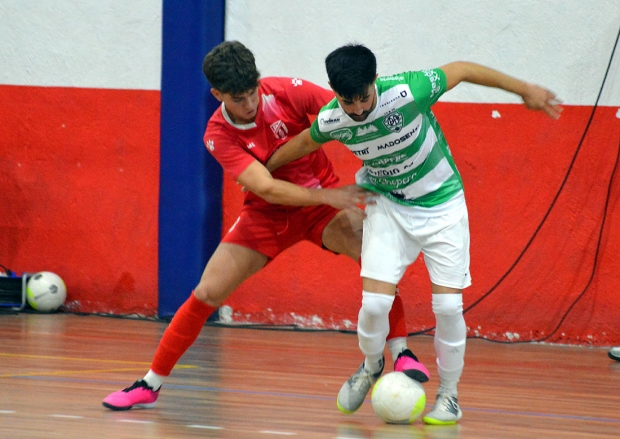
(139, 395)
(408, 364)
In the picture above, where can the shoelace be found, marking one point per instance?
(448, 403)
(407, 353)
(358, 380)
(136, 385)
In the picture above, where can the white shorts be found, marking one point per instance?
(394, 236)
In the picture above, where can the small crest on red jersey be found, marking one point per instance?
(279, 129)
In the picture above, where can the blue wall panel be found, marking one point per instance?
(190, 203)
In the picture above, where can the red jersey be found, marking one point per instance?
(283, 110)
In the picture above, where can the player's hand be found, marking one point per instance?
(538, 98)
(347, 197)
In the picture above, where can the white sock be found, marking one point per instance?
(396, 346)
(153, 380)
(450, 338)
(372, 327)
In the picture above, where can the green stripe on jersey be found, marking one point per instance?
(404, 152)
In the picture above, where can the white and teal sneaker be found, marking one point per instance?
(614, 353)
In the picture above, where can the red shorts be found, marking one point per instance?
(272, 230)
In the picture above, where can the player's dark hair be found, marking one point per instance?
(350, 70)
(230, 68)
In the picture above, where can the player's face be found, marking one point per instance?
(241, 108)
(359, 108)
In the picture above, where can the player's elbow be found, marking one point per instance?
(457, 72)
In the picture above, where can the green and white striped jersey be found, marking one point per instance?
(404, 152)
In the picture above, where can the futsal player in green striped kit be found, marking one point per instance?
(387, 123)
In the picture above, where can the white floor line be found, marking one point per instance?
(208, 427)
(66, 416)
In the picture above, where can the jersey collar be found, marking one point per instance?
(244, 126)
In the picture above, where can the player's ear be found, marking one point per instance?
(217, 94)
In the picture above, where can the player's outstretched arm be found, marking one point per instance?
(257, 179)
(534, 97)
(297, 147)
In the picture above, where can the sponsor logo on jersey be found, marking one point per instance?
(251, 145)
(400, 140)
(434, 78)
(210, 145)
(361, 152)
(392, 78)
(296, 82)
(393, 121)
(341, 135)
(386, 160)
(386, 181)
(328, 121)
(364, 131)
(384, 172)
(403, 94)
(279, 129)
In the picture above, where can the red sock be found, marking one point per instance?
(180, 334)
(398, 326)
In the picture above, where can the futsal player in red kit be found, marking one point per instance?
(300, 201)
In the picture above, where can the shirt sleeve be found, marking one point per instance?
(306, 97)
(427, 87)
(317, 135)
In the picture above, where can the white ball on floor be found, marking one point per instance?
(46, 291)
(398, 399)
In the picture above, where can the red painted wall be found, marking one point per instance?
(79, 178)
(513, 167)
(80, 174)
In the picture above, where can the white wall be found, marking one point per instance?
(564, 45)
(81, 43)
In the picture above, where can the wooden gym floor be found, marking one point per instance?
(255, 383)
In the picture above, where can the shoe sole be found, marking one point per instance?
(120, 409)
(433, 421)
(417, 375)
(613, 357)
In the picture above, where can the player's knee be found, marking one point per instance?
(342, 244)
(376, 305)
(351, 248)
(347, 227)
(448, 304)
(207, 295)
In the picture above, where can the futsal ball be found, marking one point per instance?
(397, 399)
(46, 291)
